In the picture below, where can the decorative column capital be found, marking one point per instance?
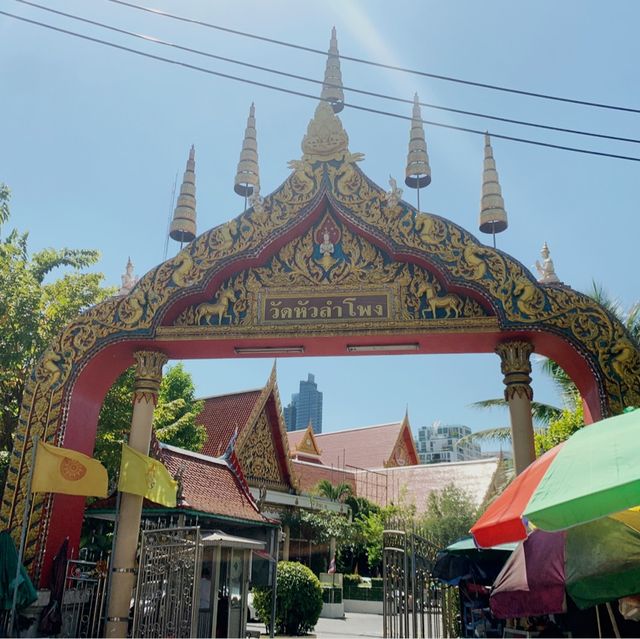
(516, 368)
(148, 375)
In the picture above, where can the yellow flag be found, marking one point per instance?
(60, 470)
(147, 477)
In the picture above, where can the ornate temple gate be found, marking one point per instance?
(166, 596)
(415, 604)
(327, 264)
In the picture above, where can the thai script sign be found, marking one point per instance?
(285, 309)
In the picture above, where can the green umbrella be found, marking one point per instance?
(595, 473)
(8, 564)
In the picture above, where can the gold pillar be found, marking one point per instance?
(518, 393)
(123, 577)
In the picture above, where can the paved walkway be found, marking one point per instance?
(355, 624)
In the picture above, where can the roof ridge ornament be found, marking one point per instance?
(493, 217)
(546, 270)
(326, 138)
(332, 88)
(418, 171)
(183, 225)
(248, 174)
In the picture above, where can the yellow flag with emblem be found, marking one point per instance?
(61, 470)
(147, 477)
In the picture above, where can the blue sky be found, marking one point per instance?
(93, 138)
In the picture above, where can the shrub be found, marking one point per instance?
(351, 580)
(376, 582)
(331, 595)
(298, 600)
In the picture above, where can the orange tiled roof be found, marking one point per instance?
(309, 474)
(221, 414)
(210, 486)
(368, 447)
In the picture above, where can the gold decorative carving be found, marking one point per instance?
(148, 375)
(516, 368)
(257, 456)
(360, 284)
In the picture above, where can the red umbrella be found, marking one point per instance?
(503, 522)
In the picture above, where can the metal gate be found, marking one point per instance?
(83, 598)
(166, 598)
(415, 604)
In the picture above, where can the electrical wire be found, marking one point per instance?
(250, 65)
(314, 97)
(381, 65)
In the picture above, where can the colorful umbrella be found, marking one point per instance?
(464, 560)
(593, 474)
(595, 562)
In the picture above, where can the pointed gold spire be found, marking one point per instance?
(418, 173)
(183, 225)
(248, 176)
(332, 88)
(493, 217)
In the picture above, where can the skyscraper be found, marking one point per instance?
(305, 407)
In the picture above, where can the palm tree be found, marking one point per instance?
(339, 492)
(543, 414)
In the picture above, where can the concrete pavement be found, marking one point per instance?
(354, 624)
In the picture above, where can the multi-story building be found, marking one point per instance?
(305, 407)
(439, 443)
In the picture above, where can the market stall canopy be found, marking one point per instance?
(592, 474)
(595, 562)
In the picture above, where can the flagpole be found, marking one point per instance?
(23, 539)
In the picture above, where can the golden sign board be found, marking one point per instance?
(285, 308)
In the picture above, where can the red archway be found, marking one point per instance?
(326, 265)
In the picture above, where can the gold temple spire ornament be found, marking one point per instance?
(332, 88)
(493, 217)
(183, 224)
(418, 171)
(247, 175)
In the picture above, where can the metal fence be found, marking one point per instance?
(414, 603)
(166, 598)
(83, 599)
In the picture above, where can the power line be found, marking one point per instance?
(250, 65)
(314, 97)
(382, 65)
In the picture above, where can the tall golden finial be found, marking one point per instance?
(248, 176)
(332, 88)
(418, 171)
(493, 217)
(183, 225)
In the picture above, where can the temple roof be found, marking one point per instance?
(367, 447)
(481, 479)
(303, 445)
(309, 474)
(221, 414)
(210, 485)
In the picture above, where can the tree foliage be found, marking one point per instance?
(174, 418)
(35, 305)
(560, 429)
(449, 515)
(338, 492)
(298, 600)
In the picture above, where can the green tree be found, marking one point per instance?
(174, 419)
(449, 514)
(559, 429)
(34, 307)
(338, 492)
